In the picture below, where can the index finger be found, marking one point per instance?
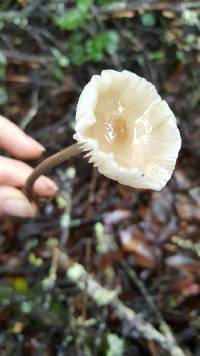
(15, 141)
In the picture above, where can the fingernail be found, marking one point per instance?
(47, 185)
(19, 207)
(34, 144)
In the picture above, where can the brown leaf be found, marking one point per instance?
(4, 313)
(186, 286)
(111, 258)
(186, 208)
(133, 242)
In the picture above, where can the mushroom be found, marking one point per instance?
(130, 134)
(129, 131)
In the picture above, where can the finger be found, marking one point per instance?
(15, 173)
(14, 203)
(15, 141)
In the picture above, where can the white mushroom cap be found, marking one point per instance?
(129, 131)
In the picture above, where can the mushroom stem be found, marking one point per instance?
(49, 163)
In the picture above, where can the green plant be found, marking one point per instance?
(3, 92)
(81, 45)
(75, 16)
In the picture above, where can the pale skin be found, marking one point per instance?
(14, 172)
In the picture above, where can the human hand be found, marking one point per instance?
(13, 173)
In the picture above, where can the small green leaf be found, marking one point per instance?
(25, 307)
(34, 260)
(190, 38)
(3, 95)
(76, 48)
(148, 19)
(52, 242)
(61, 59)
(2, 71)
(104, 42)
(72, 19)
(79, 55)
(3, 63)
(20, 284)
(180, 55)
(84, 5)
(94, 49)
(112, 42)
(157, 55)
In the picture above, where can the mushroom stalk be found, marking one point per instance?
(49, 163)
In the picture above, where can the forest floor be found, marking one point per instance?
(104, 269)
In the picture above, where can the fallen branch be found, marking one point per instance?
(119, 8)
(164, 327)
(105, 297)
(24, 57)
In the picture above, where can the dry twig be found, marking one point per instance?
(119, 8)
(105, 297)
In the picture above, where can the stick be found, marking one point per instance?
(105, 297)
